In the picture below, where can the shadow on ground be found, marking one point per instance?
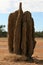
(37, 61)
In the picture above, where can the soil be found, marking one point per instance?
(7, 58)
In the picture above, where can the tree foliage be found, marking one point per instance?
(3, 33)
(39, 34)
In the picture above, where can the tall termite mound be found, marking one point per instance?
(28, 39)
(17, 32)
(21, 38)
(11, 27)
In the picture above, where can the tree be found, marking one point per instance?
(3, 33)
(1, 28)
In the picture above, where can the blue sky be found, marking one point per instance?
(38, 20)
(37, 16)
(34, 6)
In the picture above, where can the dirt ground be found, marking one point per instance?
(12, 59)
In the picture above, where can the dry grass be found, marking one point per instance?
(12, 59)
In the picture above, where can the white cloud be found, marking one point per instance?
(4, 5)
(12, 5)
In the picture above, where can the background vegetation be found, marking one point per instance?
(3, 32)
(39, 34)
